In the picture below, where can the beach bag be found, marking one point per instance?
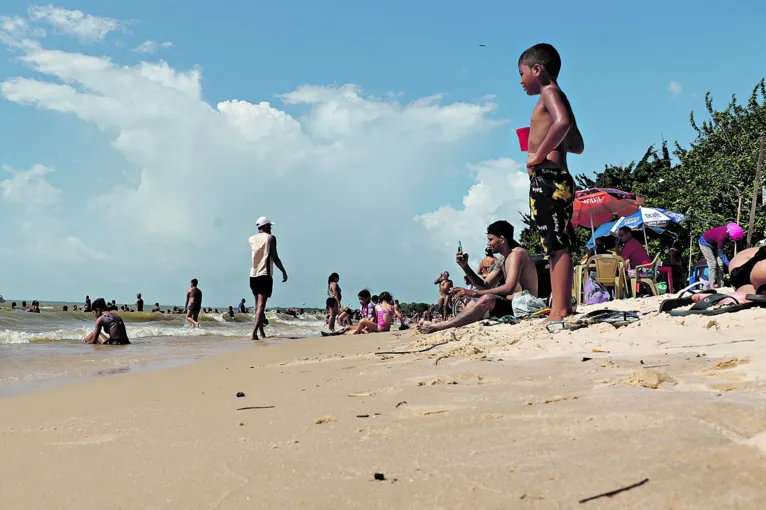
(525, 304)
(595, 293)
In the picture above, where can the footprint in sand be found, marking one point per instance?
(647, 379)
(727, 363)
(758, 440)
(97, 439)
(426, 410)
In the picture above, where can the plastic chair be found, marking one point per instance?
(699, 272)
(651, 282)
(609, 271)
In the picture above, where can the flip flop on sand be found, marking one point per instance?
(684, 298)
(616, 318)
(704, 306)
(332, 333)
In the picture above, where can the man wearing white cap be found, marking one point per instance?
(264, 247)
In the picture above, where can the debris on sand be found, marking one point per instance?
(647, 379)
(614, 492)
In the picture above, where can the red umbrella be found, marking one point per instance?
(595, 206)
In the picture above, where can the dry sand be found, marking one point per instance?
(498, 417)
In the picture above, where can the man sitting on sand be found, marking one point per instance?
(514, 264)
(110, 322)
(486, 264)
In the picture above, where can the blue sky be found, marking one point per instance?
(632, 74)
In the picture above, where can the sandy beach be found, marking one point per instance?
(497, 417)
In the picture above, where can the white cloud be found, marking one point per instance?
(675, 88)
(343, 173)
(500, 192)
(146, 47)
(85, 27)
(151, 46)
(15, 32)
(37, 235)
(29, 188)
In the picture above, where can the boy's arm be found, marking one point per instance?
(575, 143)
(562, 122)
(186, 305)
(277, 261)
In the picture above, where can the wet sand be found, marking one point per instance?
(496, 417)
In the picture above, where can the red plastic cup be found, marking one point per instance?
(523, 134)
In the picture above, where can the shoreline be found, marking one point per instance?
(17, 387)
(498, 417)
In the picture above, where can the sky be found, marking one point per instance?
(140, 142)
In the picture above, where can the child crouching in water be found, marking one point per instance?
(384, 316)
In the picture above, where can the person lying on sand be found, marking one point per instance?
(747, 271)
(514, 264)
(748, 277)
(110, 322)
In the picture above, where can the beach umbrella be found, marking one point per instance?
(606, 230)
(595, 206)
(648, 217)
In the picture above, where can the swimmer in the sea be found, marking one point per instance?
(193, 303)
(139, 303)
(110, 323)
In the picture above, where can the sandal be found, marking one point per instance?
(704, 307)
(684, 299)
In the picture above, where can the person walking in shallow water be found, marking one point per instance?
(193, 304)
(264, 256)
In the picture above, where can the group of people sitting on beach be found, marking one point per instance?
(508, 285)
(376, 313)
(502, 286)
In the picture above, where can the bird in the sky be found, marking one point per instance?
(483, 45)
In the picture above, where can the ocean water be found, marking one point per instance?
(42, 350)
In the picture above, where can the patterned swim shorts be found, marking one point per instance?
(551, 201)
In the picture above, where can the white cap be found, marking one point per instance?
(263, 221)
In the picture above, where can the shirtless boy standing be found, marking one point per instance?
(193, 303)
(553, 133)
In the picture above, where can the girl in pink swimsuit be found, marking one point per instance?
(384, 312)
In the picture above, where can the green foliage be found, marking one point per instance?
(705, 184)
(410, 309)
